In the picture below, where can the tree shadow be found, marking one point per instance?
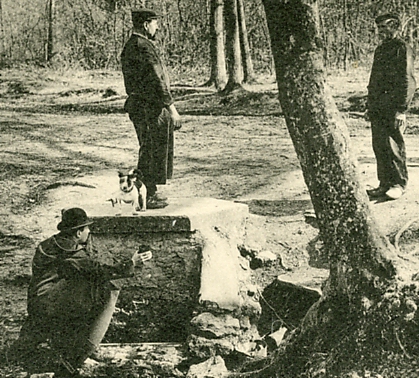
(236, 103)
(277, 208)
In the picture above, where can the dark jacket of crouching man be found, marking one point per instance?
(71, 296)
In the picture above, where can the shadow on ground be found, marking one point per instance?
(277, 208)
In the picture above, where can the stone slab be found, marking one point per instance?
(308, 278)
(287, 299)
(181, 215)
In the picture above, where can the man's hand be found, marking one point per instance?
(175, 117)
(141, 257)
(400, 121)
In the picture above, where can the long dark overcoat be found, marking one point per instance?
(148, 88)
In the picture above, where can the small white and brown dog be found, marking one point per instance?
(131, 190)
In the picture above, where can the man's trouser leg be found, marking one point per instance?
(83, 343)
(83, 319)
(390, 151)
(101, 322)
(145, 154)
(163, 141)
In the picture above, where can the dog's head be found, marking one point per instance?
(127, 179)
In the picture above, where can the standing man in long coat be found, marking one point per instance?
(150, 104)
(390, 90)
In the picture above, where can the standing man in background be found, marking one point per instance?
(150, 104)
(390, 91)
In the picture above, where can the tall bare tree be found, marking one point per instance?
(235, 68)
(2, 44)
(50, 30)
(248, 72)
(218, 75)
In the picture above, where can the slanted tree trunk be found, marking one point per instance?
(218, 75)
(357, 301)
(235, 70)
(248, 72)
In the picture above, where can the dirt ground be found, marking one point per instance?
(67, 129)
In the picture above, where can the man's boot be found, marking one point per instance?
(71, 360)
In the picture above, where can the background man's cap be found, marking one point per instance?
(143, 14)
(73, 218)
(387, 16)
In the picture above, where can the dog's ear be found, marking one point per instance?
(138, 174)
(121, 174)
(132, 175)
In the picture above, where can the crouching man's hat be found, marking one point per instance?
(73, 218)
(388, 16)
(141, 15)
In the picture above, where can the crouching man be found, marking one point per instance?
(71, 296)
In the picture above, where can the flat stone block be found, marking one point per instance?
(309, 278)
(195, 262)
(139, 224)
(181, 215)
(290, 298)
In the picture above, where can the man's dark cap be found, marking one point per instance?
(141, 15)
(387, 16)
(72, 219)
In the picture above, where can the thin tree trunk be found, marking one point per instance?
(248, 72)
(345, 35)
(218, 75)
(2, 44)
(235, 70)
(50, 31)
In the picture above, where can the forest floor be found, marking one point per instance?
(69, 126)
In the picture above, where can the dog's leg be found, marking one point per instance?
(135, 207)
(143, 198)
(119, 212)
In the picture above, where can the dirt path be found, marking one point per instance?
(56, 151)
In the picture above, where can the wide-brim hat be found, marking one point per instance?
(73, 218)
(142, 15)
(387, 16)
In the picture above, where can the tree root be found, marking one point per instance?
(403, 349)
(400, 232)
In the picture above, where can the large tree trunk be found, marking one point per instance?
(248, 72)
(218, 75)
(322, 142)
(235, 70)
(363, 264)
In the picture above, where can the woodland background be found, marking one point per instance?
(49, 139)
(90, 34)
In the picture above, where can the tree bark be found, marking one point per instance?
(363, 264)
(248, 72)
(2, 44)
(218, 75)
(235, 69)
(50, 32)
(322, 142)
